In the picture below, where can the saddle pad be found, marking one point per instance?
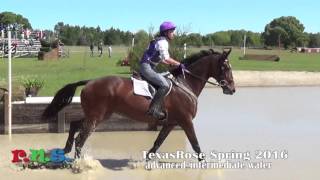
(140, 87)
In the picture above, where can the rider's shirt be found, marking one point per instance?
(157, 51)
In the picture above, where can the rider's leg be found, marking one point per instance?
(155, 108)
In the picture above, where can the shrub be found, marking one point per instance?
(45, 43)
(45, 49)
(32, 85)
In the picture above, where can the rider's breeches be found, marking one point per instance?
(151, 75)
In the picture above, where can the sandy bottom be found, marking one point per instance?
(279, 125)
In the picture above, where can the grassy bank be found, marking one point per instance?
(81, 66)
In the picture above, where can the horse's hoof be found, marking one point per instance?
(66, 151)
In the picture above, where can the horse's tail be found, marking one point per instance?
(62, 98)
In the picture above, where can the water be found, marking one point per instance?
(266, 120)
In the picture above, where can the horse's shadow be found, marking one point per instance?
(116, 164)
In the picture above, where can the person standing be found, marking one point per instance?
(109, 51)
(91, 49)
(100, 48)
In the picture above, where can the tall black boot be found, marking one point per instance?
(155, 108)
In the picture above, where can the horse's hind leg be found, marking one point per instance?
(87, 127)
(74, 127)
(166, 129)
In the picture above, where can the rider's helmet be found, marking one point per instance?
(166, 26)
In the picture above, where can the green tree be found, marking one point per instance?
(221, 38)
(12, 18)
(254, 39)
(113, 36)
(314, 40)
(194, 39)
(286, 30)
(236, 37)
(141, 36)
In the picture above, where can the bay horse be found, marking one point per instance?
(104, 96)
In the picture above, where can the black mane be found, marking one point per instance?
(193, 58)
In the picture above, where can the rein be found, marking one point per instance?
(222, 83)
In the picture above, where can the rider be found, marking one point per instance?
(158, 52)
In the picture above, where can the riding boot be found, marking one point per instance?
(155, 108)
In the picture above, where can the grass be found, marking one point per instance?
(80, 66)
(56, 74)
(288, 61)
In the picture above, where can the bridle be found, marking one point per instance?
(221, 83)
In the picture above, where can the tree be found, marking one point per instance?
(236, 37)
(142, 36)
(254, 39)
(286, 30)
(113, 36)
(221, 38)
(12, 18)
(194, 39)
(314, 40)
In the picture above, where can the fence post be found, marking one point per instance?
(6, 115)
(61, 121)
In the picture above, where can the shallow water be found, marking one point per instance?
(253, 120)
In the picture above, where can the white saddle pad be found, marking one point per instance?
(140, 87)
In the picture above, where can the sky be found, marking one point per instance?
(197, 16)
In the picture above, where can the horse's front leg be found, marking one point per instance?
(166, 129)
(188, 128)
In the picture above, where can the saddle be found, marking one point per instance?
(141, 86)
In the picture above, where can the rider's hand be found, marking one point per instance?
(182, 66)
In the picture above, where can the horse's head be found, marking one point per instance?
(206, 64)
(223, 73)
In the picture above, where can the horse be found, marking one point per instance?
(111, 94)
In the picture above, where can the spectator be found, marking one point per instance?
(100, 49)
(109, 51)
(91, 49)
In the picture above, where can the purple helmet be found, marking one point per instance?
(167, 25)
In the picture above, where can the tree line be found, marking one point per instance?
(286, 32)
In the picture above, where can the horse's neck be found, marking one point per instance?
(201, 69)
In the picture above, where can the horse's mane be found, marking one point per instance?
(193, 58)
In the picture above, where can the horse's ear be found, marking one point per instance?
(211, 51)
(226, 52)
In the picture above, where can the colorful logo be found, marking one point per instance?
(38, 158)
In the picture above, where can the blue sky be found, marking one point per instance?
(199, 16)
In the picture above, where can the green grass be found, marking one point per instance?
(80, 66)
(56, 74)
(288, 61)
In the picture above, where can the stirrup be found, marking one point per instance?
(160, 116)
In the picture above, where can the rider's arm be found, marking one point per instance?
(163, 48)
(171, 61)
